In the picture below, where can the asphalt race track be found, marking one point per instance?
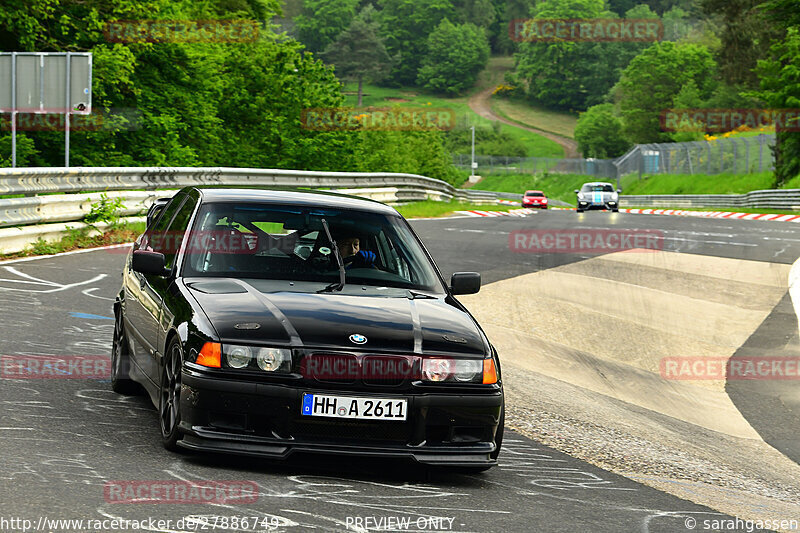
(64, 439)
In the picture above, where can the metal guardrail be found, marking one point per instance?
(766, 199)
(87, 179)
(23, 220)
(66, 207)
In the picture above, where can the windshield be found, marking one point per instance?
(597, 188)
(290, 243)
(534, 194)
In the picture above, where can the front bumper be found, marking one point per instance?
(264, 420)
(587, 206)
(531, 205)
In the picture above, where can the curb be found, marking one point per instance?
(511, 213)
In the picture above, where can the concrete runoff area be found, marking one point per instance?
(582, 344)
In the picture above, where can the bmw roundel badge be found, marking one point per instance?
(358, 339)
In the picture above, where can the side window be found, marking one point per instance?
(177, 230)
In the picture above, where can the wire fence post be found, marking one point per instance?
(746, 155)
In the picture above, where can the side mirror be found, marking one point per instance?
(465, 283)
(147, 262)
(576, 191)
(619, 191)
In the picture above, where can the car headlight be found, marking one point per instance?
(267, 359)
(272, 359)
(580, 196)
(467, 369)
(615, 197)
(435, 369)
(238, 356)
(445, 369)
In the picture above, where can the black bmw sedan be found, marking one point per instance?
(264, 323)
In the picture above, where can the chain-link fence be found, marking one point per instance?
(733, 155)
(531, 165)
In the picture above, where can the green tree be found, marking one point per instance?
(599, 133)
(570, 75)
(455, 55)
(780, 89)
(640, 11)
(745, 36)
(652, 80)
(358, 53)
(478, 12)
(323, 20)
(405, 26)
(688, 98)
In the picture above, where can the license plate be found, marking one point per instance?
(354, 407)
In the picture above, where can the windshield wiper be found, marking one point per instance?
(413, 295)
(337, 286)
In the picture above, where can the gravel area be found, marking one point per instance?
(744, 477)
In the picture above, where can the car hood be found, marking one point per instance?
(598, 196)
(241, 313)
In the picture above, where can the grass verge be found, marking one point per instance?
(78, 238)
(534, 117)
(433, 208)
(535, 145)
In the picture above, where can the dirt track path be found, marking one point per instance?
(479, 103)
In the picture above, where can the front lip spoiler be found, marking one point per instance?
(203, 440)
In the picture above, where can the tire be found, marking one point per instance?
(615, 210)
(169, 412)
(121, 381)
(580, 210)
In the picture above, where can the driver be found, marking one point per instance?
(352, 254)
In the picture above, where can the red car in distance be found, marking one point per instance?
(534, 199)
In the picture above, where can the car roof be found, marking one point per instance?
(597, 183)
(526, 192)
(300, 197)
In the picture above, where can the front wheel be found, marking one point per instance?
(169, 412)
